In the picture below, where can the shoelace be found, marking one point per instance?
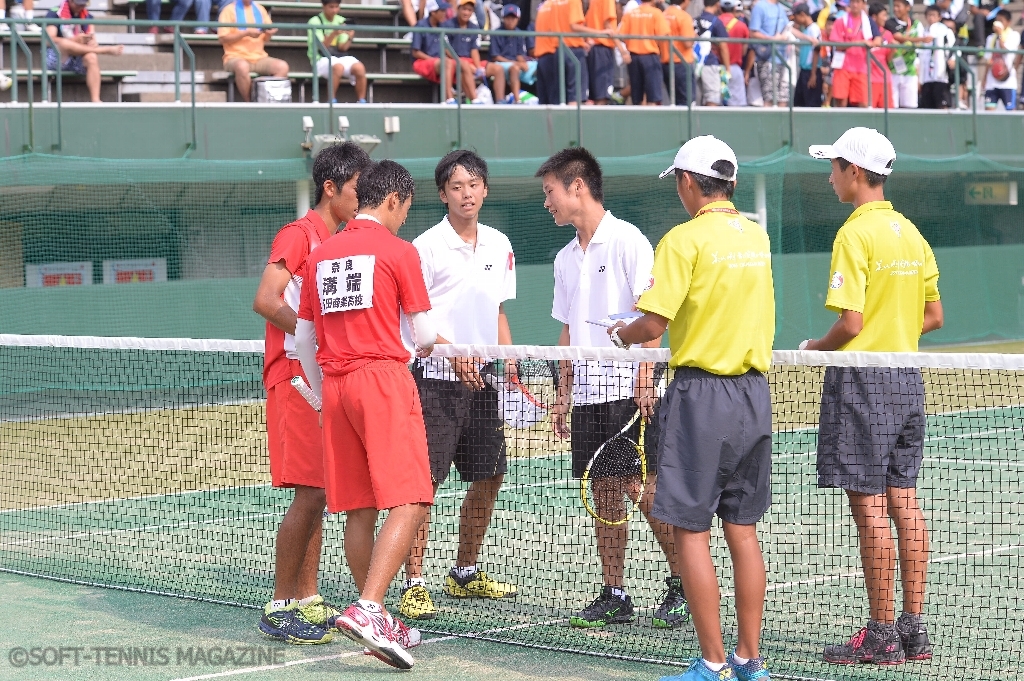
(420, 596)
(858, 639)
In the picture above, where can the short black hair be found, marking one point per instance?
(932, 8)
(330, 2)
(905, 2)
(713, 186)
(874, 179)
(1005, 14)
(381, 180)
(710, 3)
(572, 163)
(469, 160)
(875, 8)
(338, 163)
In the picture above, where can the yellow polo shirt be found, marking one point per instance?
(883, 268)
(712, 279)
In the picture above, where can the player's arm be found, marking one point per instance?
(932, 316)
(424, 333)
(847, 327)
(305, 348)
(560, 411)
(505, 338)
(268, 303)
(646, 330)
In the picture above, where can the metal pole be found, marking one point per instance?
(177, 65)
(579, 96)
(301, 197)
(672, 73)
(760, 202)
(46, 42)
(446, 46)
(561, 71)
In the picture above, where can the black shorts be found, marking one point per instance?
(716, 450)
(684, 73)
(547, 77)
(935, 96)
(600, 71)
(464, 427)
(593, 424)
(645, 78)
(871, 429)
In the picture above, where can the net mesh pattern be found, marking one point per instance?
(147, 469)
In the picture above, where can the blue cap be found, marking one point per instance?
(511, 11)
(435, 5)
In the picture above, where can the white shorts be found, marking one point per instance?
(323, 65)
(904, 92)
(737, 88)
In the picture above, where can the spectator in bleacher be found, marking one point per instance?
(808, 84)
(712, 59)
(850, 65)
(426, 54)
(245, 48)
(337, 40)
(19, 10)
(958, 69)
(601, 15)
(645, 72)
(732, 18)
(997, 70)
(467, 46)
(562, 16)
(935, 63)
(903, 61)
(181, 8)
(680, 23)
(509, 52)
(768, 21)
(881, 77)
(79, 51)
(413, 11)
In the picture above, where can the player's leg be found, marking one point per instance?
(481, 461)
(877, 553)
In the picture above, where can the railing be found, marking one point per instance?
(181, 45)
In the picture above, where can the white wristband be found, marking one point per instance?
(616, 341)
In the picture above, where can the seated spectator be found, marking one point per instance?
(680, 23)
(509, 52)
(79, 51)
(601, 15)
(712, 59)
(881, 77)
(739, 76)
(426, 55)
(467, 46)
(935, 63)
(645, 72)
(998, 72)
(24, 10)
(181, 8)
(245, 48)
(768, 21)
(337, 41)
(178, 12)
(808, 83)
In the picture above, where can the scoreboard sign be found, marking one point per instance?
(49, 274)
(134, 271)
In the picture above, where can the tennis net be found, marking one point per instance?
(141, 464)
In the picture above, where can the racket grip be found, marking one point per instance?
(300, 385)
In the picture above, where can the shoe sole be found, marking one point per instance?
(473, 595)
(291, 640)
(395, 657)
(584, 624)
(919, 657)
(886, 663)
(419, 618)
(662, 624)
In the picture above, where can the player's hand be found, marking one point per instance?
(269, 33)
(511, 374)
(467, 372)
(809, 344)
(424, 352)
(560, 419)
(645, 397)
(253, 32)
(616, 325)
(480, 72)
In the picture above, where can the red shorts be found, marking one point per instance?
(427, 68)
(294, 437)
(375, 444)
(853, 87)
(878, 98)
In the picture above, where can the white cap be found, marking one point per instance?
(697, 155)
(863, 147)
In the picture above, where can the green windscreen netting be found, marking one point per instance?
(175, 248)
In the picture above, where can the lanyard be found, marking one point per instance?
(729, 211)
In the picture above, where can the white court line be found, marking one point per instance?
(930, 438)
(136, 498)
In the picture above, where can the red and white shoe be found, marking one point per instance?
(375, 631)
(409, 638)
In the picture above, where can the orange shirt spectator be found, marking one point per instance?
(246, 47)
(558, 16)
(644, 20)
(737, 28)
(599, 14)
(680, 23)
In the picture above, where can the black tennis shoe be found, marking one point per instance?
(876, 643)
(915, 640)
(673, 610)
(606, 609)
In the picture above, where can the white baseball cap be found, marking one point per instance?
(863, 147)
(697, 156)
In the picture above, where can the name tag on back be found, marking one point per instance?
(346, 283)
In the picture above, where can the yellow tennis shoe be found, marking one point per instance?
(319, 612)
(416, 604)
(478, 585)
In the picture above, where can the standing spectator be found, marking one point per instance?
(768, 21)
(827, 72)
(426, 55)
(22, 10)
(337, 42)
(850, 65)
(936, 62)
(680, 23)
(903, 61)
(809, 82)
(601, 16)
(645, 72)
(1000, 76)
(510, 53)
(881, 77)
(737, 28)
(79, 51)
(562, 16)
(959, 73)
(467, 46)
(245, 48)
(712, 60)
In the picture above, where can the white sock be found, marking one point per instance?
(308, 599)
(3, 14)
(740, 660)
(714, 666)
(464, 572)
(275, 606)
(415, 581)
(620, 591)
(370, 605)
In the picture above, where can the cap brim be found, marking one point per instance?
(668, 171)
(826, 151)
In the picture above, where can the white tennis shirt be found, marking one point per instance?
(466, 285)
(605, 279)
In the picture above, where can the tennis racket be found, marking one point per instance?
(299, 384)
(609, 481)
